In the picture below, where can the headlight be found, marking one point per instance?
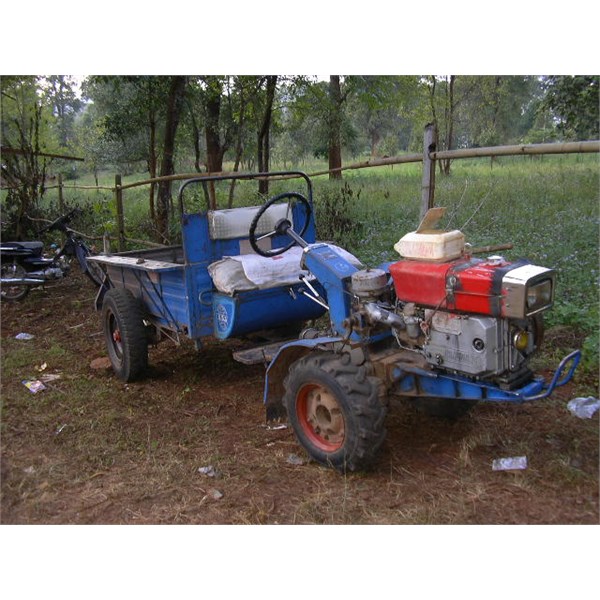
(521, 340)
(539, 295)
(527, 290)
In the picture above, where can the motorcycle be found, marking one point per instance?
(23, 264)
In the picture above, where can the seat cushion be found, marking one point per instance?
(26, 245)
(232, 223)
(247, 272)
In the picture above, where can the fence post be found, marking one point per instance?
(120, 218)
(61, 199)
(428, 181)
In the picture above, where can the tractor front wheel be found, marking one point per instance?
(335, 410)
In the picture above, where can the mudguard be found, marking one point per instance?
(279, 366)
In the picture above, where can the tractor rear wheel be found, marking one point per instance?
(335, 410)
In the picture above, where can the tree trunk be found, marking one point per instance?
(375, 139)
(152, 163)
(25, 172)
(214, 150)
(445, 163)
(197, 151)
(239, 147)
(195, 139)
(214, 156)
(335, 122)
(263, 134)
(174, 105)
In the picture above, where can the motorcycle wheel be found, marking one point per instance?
(95, 273)
(13, 292)
(92, 269)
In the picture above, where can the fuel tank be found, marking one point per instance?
(469, 285)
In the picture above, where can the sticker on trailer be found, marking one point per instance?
(221, 317)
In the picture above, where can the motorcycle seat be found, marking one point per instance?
(35, 247)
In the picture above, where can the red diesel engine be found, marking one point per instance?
(480, 317)
(469, 285)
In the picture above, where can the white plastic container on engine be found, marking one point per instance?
(435, 245)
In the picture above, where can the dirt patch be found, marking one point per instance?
(90, 449)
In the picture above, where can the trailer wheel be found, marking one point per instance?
(444, 408)
(125, 334)
(335, 411)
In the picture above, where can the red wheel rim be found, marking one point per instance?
(115, 334)
(320, 417)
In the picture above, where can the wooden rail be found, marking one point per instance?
(429, 157)
(520, 150)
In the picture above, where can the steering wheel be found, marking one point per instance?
(282, 227)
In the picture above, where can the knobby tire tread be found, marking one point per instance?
(362, 393)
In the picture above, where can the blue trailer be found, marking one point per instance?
(445, 333)
(213, 284)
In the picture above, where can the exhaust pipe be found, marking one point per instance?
(378, 314)
(21, 281)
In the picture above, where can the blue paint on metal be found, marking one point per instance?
(418, 384)
(322, 342)
(260, 309)
(334, 273)
(182, 298)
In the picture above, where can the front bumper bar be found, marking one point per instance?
(418, 383)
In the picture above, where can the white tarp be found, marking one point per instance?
(251, 271)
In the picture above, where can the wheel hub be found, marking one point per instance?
(324, 417)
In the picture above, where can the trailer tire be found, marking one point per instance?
(125, 334)
(335, 411)
(444, 408)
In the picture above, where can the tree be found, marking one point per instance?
(574, 102)
(480, 110)
(381, 109)
(60, 95)
(336, 100)
(175, 102)
(128, 110)
(222, 102)
(26, 136)
(247, 88)
(495, 110)
(264, 130)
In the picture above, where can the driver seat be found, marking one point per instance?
(247, 270)
(234, 223)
